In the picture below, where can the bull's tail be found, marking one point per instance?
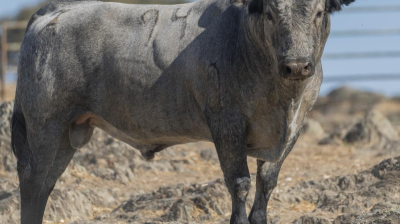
(18, 131)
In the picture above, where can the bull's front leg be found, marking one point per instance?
(232, 156)
(230, 141)
(267, 179)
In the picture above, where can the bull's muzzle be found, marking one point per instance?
(297, 69)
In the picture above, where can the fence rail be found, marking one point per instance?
(372, 9)
(358, 33)
(361, 55)
(359, 78)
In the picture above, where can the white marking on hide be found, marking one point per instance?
(43, 21)
(293, 126)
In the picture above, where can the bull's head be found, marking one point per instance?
(293, 32)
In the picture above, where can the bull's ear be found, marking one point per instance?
(336, 5)
(256, 6)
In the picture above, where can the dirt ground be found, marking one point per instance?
(345, 168)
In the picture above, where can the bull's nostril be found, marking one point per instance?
(307, 69)
(288, 70)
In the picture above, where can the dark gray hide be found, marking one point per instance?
(242, 75)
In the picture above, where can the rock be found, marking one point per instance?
(311, 220)
(184, 203)
(6, 109)
(343, 105)
(337, 135)
(374, 130)
(353, 195)
(348, 101)
(123, 174)
(345, 219)
(382, 206)
(105, 173)
(313, 128)
(7, 159)
(209, 155)
(9, 207)
(63, 204)
(157, 166)
(91, 222)
(67, 204)
(102, 197)
(181, 210)
(388, 215)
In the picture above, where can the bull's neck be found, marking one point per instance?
(254, 51)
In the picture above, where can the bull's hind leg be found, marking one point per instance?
(233, 161)
(50, 154)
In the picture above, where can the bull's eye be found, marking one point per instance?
(270, 17)
(319, 15)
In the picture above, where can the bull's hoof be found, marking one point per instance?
(258, 217)
(239, 220)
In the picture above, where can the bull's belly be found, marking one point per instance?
(273, 154)
(140, 139)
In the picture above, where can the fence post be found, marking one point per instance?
(3, 59)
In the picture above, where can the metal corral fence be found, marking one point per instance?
(364, 55)
(7, 47)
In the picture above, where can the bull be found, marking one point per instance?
(241, 74)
